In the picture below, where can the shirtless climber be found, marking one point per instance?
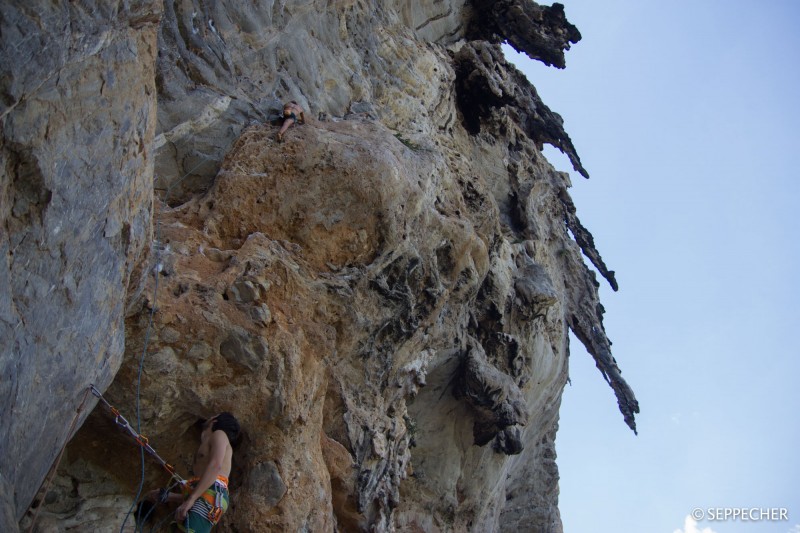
(292, 114)
(205, 498)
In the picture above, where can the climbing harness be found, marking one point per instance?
(140, 439)
(214, 498)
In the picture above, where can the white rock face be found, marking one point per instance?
(383, 299)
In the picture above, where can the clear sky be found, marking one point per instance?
(687, 116)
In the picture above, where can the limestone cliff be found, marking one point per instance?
(78, 116)
(383, 299)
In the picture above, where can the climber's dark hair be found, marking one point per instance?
(226, 422)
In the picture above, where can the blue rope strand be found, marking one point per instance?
(158, 268)
(138, 395)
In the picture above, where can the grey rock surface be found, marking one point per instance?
(77, 118)
(265, 480)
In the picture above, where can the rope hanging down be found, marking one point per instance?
(140, 439)
(119, 419)
(144, 353)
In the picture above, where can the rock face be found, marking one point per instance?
(78, 115)
(383, 299)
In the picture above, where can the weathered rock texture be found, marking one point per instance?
(77, 121)
(383, 300)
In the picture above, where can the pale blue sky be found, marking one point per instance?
(686, 115)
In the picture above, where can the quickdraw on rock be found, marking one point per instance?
(140, 439)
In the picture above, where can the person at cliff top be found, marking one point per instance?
(205, 498)
(292, 114)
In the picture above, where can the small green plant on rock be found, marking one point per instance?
(411, 427)
(413, 146)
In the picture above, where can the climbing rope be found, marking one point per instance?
(163, 496)
(144, 445)
(138, 394)
(157, 269)
(140, 439)
(121, 421)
